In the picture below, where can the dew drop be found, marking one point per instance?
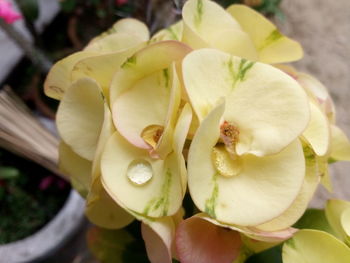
(139, 172)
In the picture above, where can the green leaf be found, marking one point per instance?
(8, 172)
(29, 8)
(272, 255)
(68, 5)
(314, 219)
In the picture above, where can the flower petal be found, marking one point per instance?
(158, 236)
(103, 211)
(128, 26)
(173, 32)
(102, 67)
(254, 233)
(206, 24)
(151, 187)
(315, 246)
(269, 108)
(78, 168)
(273, 47)
(151, 59)
(198, 240)
(81, 112)
(117, 42)
(300, 204)
(345, 222)
(317, 132)
(133, 27)
(334, 210)
(59, 77)
(161, 92)
(263, 188)
(340, 145)
(145, 76)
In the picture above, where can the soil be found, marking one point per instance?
(323, 29)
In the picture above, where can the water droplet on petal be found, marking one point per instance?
(139, 172)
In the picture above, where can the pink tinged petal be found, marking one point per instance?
(254, 233)
(158, 236)
(198, 240)
(138, 79)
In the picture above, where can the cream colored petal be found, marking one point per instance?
(133, 27)
(263, 188)
(268, 107)
(180, 134)
(59, 77)
(319, 92)
(159, 236)
(143, 105)
(102, 67)
(334, 210)
(300, 204)
(80, 117)
(206, 24)
(127, 26)
(103, 211)
(146, 62)
(150, 187)
(345, 222)
(173, 32)
(77, 168)
(313, 246)
(317, 132)
(340, 145)
(114, 43)
(272, 46)
(323, 171)
(164, 145)
(145, 79)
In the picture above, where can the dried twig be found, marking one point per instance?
(21, 133)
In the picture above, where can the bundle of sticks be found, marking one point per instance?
(23, 134)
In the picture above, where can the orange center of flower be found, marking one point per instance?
(229, 134)
(158, 133)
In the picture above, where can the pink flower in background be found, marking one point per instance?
(8, 13)
(120, 2)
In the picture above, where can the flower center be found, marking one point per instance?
(224, 163)
(229, 134)
(152, 134)
(224, 155)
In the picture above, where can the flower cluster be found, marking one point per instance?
(203, 107)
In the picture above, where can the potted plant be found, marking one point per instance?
(35, 204)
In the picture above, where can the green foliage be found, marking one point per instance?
(272, 255)
(314, 219)
(24, 208)
(29, 8)
(117, 246)
(68, 5)
(8, 172)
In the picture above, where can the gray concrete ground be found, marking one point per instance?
(323, 28)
